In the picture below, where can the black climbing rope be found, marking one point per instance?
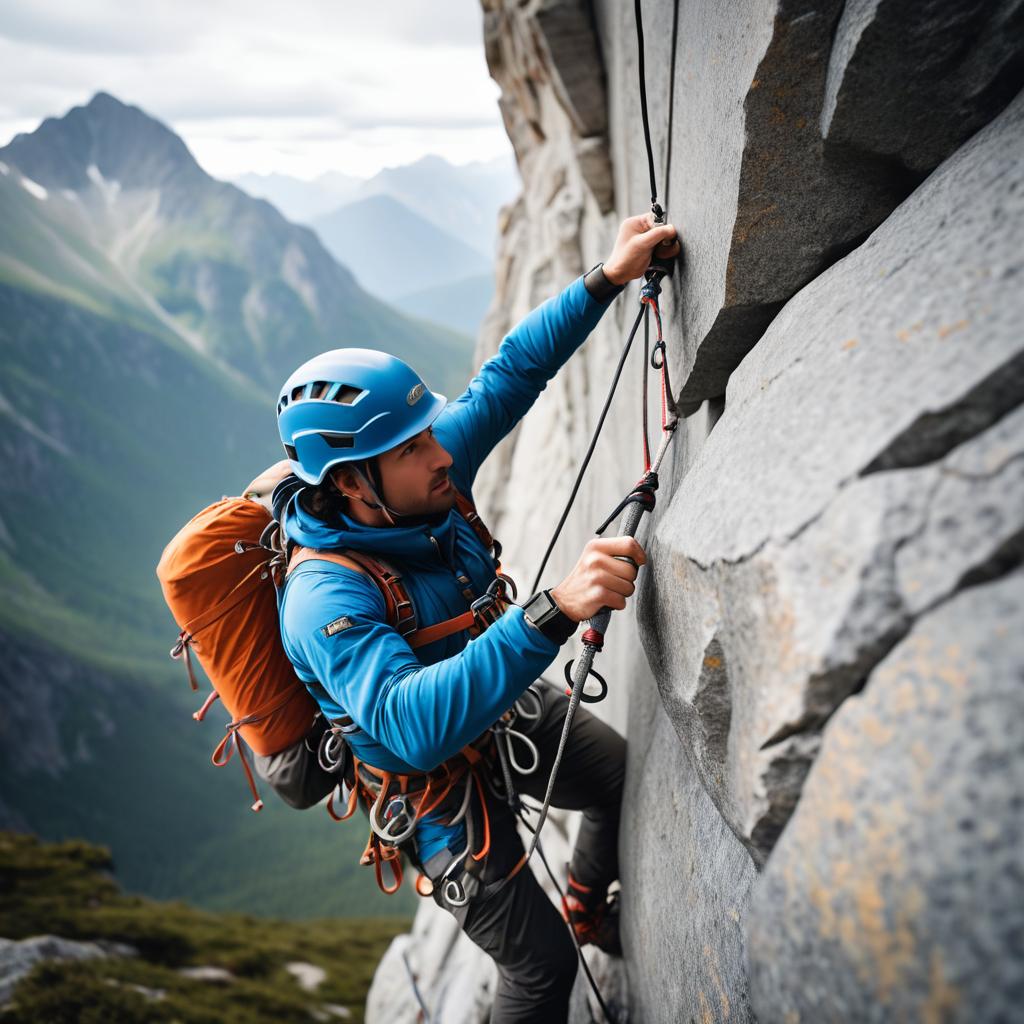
(640, 499)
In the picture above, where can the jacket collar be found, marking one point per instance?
(407, 543)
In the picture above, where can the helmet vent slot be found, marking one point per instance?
(292, 454)
(347, 394)
(297, 392)
(318, 389)
(339, 440)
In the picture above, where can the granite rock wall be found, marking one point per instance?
(821, 677)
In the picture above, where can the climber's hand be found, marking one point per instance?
(639, 240)
(601, 578)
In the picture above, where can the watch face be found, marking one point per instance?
(540, 608)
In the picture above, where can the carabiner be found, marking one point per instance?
(509, 582)
(464, 806)
(452, 889)
(398, 825)
(331, 752)
(535, 697)
(659, 349)
(530, 746)
(493, 593)
(454, 893)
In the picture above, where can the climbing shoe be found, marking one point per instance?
(593, 916)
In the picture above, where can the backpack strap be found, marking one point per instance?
(401, 615)
(398, 605)
(468, 512)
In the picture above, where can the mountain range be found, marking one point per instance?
(461, 200)
(148, 314)
(420, 235)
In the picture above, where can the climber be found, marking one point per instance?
(383, 467)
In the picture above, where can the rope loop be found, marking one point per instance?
(586, 698)
(658, 355)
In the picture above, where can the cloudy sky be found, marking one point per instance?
(300, 87)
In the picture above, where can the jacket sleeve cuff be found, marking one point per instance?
(598, 285)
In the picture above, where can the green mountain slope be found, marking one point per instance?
(147, 316)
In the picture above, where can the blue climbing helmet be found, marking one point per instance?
(348, 405)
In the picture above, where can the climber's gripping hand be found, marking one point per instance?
(602, 578)
(639, 241)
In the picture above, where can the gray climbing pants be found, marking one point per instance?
(519, 926)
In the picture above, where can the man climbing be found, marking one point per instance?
(385, 468)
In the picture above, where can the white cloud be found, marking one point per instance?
(310, 86)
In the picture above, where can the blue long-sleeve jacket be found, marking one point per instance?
(415, 709)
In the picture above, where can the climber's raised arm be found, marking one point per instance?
(534, 350)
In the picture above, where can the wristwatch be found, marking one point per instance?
(541, 612)
(595, 281)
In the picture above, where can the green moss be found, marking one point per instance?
(66, 889)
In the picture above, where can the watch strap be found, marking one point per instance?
(600, 288)
(552, 621)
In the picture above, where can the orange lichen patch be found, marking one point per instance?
(821, 898)
(943, 998)
(849, 343)
(754, 220)
(905, 334)
(947, 329)
(955, 675)
(712, 662)
(877, 731)
(723, 998)
(755, 84)
(904, 698)
(706, 1016)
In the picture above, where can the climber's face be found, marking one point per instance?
(414, 476)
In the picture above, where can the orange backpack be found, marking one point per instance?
(219, 584)
(220, 575)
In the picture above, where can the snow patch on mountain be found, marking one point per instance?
(33, 188)
(110, 190)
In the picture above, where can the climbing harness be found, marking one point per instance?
(396, 802)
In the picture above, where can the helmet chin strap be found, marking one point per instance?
(378, 502)
(394, 517)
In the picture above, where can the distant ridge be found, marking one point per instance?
(225, 271)
(393, 249)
